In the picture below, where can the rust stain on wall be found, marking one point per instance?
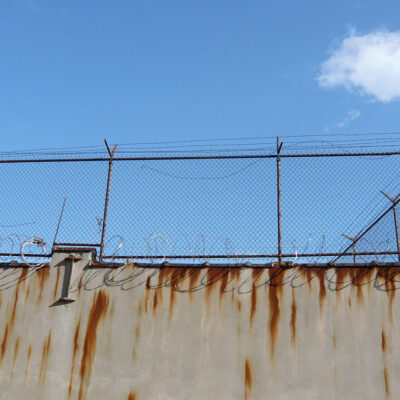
(307, 274)
(359, 278)
(42, 275)
(45, 356)
(170, 277)
(14, 309)
(383, 341)
(28, 358)
(341, 276)
(194, 275)
(4, 343)
(322, 288)
(176, 276)
(312, 273)
(255, 273)
(213, 276)
(386, 377)
(248, 381)
(97, 313)
(253, 307)
(74, 352)
(293, 319)
(28, 289)
(224, 283)
(147, 293)
(155, 301)
(22, 277)
(276, 276)
(16, 349)
(132, 396)
(389, 275)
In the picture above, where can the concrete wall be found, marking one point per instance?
(209, 333)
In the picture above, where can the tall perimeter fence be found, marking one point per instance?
(256, 206)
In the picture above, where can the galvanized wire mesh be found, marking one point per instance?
(192, 208)
(32, 199)
(204, 208)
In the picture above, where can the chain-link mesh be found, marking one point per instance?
(32, 199)
(193, 208)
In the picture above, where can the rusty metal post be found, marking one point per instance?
(110, 165)
(278, 187)
(353, 245)
(396, 224)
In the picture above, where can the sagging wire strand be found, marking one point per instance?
(170, 175)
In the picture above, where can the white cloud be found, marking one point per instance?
(350, 116)
(368, 64)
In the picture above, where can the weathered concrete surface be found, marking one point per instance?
(136, 333)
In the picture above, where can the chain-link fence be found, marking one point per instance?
(247, 207)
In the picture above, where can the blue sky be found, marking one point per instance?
(73, 72)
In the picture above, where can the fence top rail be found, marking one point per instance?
(219, 157)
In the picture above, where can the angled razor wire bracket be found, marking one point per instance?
(396, 224)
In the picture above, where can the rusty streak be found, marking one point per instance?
(390, 287)
(27, 293)
(75, 350)
(248, 381)
(132, 396)
(4, 343)
(383, 341)
(16, 349)
(147, 294)
(341, 274)
(176, 275)
(386, 376)
(276, 275)
(42, 275)
(213, 276)
(45, 356)
(255, 276)
(194, 275)
(293, 319)
(97, 313)
(155, 301)
(224, 282)
(28, 358)
(14, 310)
(253, 303)
(23, 276)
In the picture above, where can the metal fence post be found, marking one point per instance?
(278, 187)
(353, 245)
(103, 230)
